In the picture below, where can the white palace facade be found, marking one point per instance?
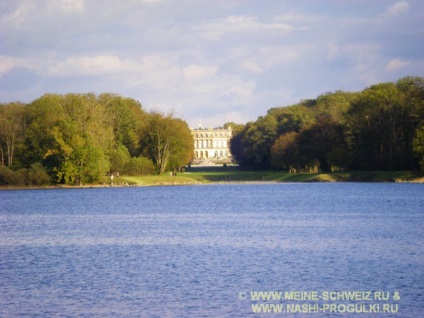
(212, 143)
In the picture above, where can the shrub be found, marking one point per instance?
(139, 166)
(37, 175)
(7, 176)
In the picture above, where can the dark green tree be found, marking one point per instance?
(323, 143)
(252, 146)
(381, 127)
(43, 116)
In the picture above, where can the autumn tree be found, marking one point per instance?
(284, 151)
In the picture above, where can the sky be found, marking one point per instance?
(207, 62)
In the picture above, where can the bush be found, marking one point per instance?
(139, 166)
(35, 175)
(7, 176)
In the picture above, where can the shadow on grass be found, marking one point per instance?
(234, 174)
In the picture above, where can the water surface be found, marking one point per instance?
(194, 251)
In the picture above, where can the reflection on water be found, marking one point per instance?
(188, 251)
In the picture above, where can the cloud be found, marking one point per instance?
(7, 63)
(251, 67)
(206, 59)
(396, 64)
(149, 1)
(240, 24)
(20, 15)
(400, 7)
(197, 72)
(91, 66)
(67, 5)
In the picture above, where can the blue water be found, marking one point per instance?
(199, 251)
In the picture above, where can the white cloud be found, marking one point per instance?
(67, 5)
(400, 7)
(365, 52)
(259, 60)
(149, 1)
(243, 90)
(7, 63)
(251, 67)
(197, 72)
(21, 14)
(91, 66)
(396, 64)
(241, 24)
(223, 59)
(283, 54)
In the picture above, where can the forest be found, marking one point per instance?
(380, 128)
(80, 138)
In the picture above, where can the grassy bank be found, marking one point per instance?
(233, 174)
(158, 180)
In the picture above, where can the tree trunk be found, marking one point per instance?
(2, 156)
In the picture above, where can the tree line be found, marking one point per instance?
(379, 128)
(79, 138)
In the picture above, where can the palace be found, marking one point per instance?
(212, 143)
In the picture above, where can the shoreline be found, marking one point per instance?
(419, 180)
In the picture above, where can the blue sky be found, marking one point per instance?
(208, 62)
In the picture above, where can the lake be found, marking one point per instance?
(228, 250)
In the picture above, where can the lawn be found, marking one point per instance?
(199, 175)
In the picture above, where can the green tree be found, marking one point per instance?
(235, 127)
(252, 145)
(381, 128)
(43, 116)
(69, 135)
(323, 143)
(418, 146)
(413, 90)
(292, 118)
(235, 147)
(12, 127)
(126, 118)
(85, 139)
(119, 159)
(167, 141)
(334, 105)
(184, 145)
